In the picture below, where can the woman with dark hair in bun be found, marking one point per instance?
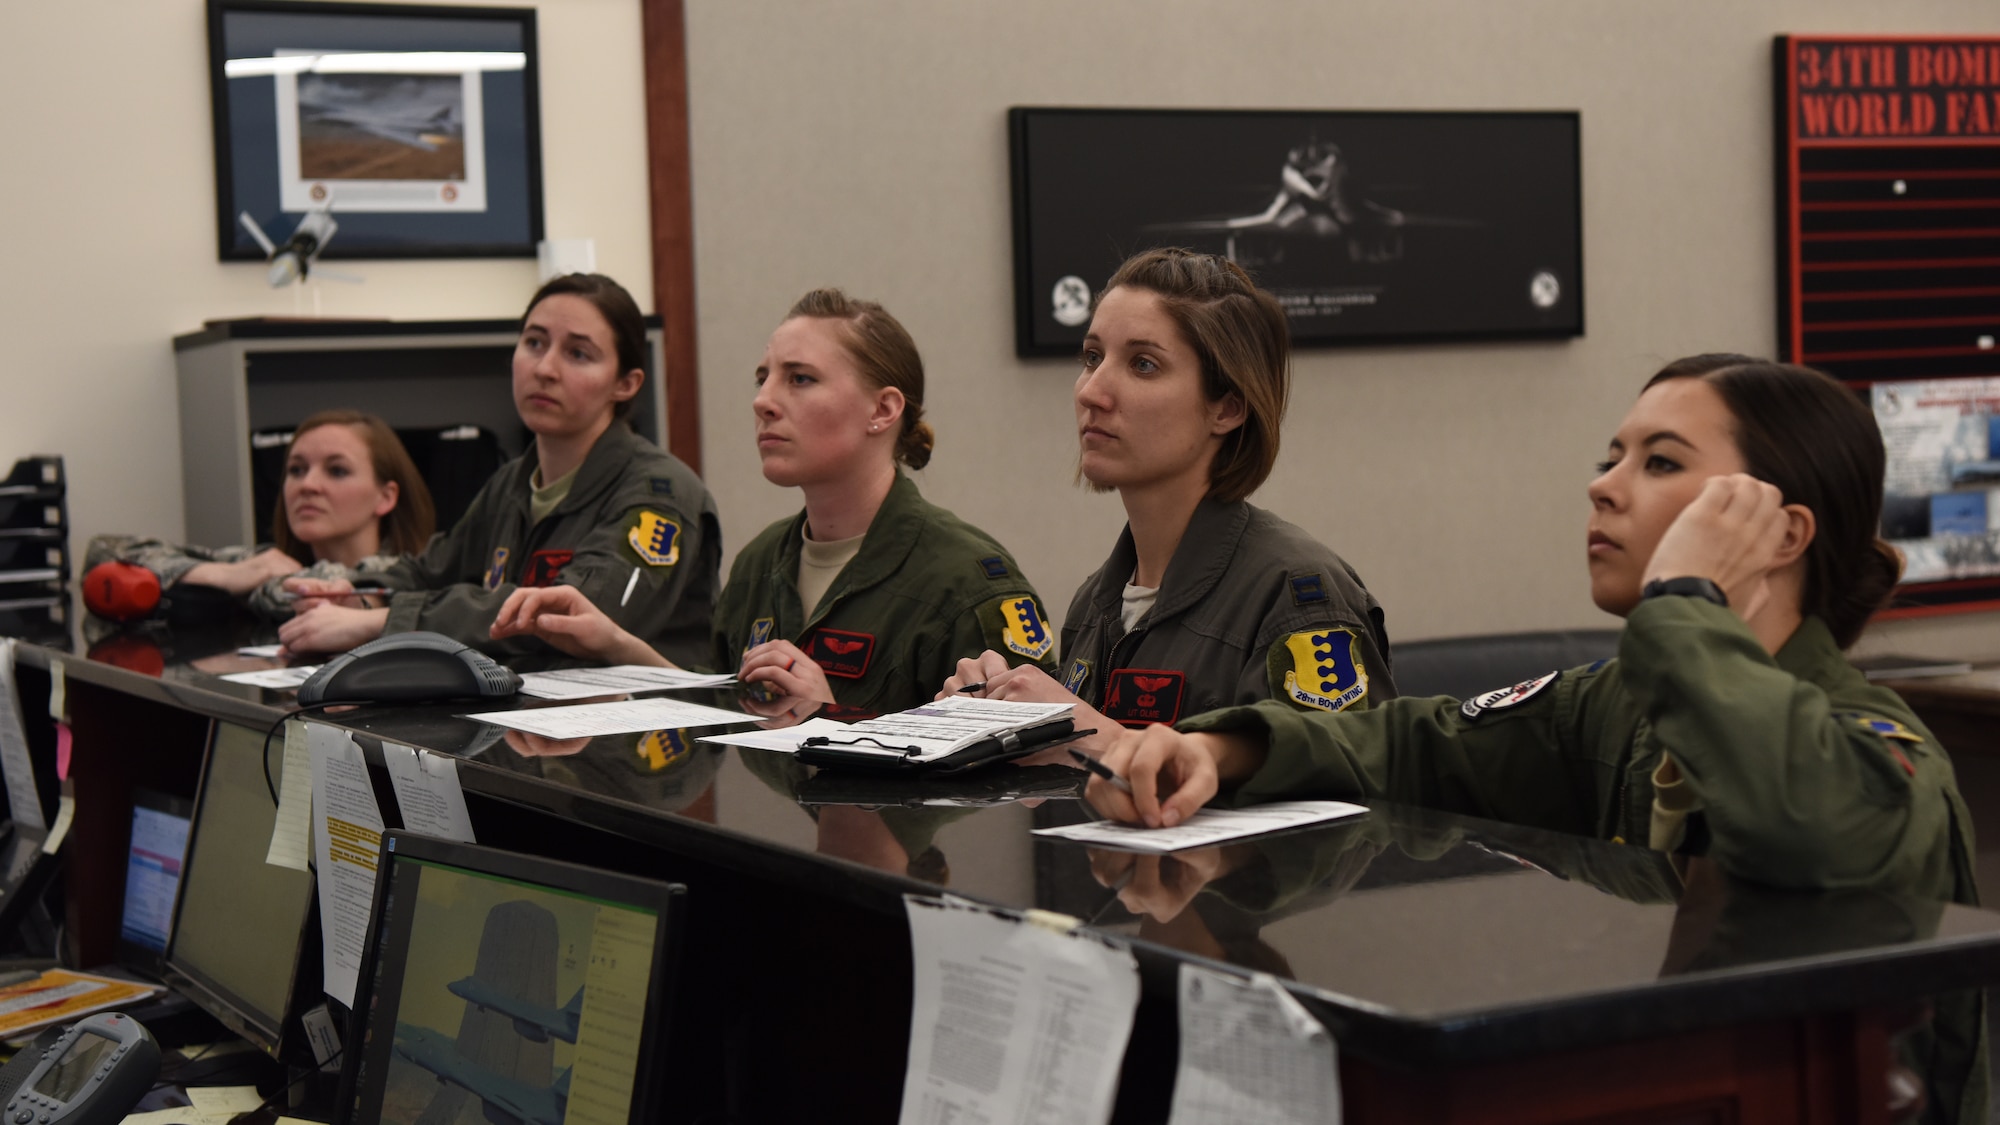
(867, 598)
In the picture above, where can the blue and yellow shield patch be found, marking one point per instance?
(496, 571)
(1076, 676)
(655, 539)
(1026, 632)
(760, 632)
(1887, 728)
(662, 748)
(1324, 670)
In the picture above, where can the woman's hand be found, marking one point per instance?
(242, 577)
(1029, 684)
(797, 681)
(331, 628)
(1172, 774)
(1732, 534)
(571, 623)
(315, 592)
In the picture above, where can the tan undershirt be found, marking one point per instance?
(1138, 601)
(1673, 801)
(543, 500)
(820, 564)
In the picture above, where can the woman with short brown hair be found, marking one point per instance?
(1206, 600)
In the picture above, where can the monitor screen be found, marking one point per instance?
(508, 989)
(235, 943)
(153, 867)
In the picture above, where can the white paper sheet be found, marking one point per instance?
(619, 679)
(275, 679)
(65, 816)
(291, 828)
(428, 793)
(1013, 1021)
(16, 767)
(58, 692)
(628, 716)
(1251, 1054)
(1208, 826)
(347, 838)
(269, 652)
(784, 740)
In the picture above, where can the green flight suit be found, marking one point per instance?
(638, 534)
(170, 562)
(926, 590)
(1804, 775)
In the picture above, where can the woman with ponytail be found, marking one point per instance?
(1733, 526)
(869, 597)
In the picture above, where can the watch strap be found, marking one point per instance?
(1685, 587)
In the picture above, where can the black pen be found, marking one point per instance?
(980, 686)
(1100, 769)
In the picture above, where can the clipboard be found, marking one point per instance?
(871, 755)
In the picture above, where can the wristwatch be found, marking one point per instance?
(1686, 587)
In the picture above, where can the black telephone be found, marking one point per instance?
(408, 668)
(91, 1073)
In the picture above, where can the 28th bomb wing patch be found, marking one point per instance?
(1319, 668)
(654, 538)
(1021, 626)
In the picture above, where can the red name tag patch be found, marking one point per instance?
(1137, 696)
(841, 653)
(545, 567)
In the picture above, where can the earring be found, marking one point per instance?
(873, 429)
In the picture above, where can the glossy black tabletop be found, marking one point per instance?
(1416, 935)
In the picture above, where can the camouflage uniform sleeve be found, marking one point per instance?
(1501, 755)
(169, 561)
(1794, 791)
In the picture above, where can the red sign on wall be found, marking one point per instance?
(1848, 91)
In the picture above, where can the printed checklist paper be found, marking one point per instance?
(1208, 826)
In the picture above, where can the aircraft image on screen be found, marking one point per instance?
(533, 1021)
(507, 1102)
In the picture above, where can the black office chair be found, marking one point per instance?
(1462, 667)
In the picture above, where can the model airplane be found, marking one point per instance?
(294, 260)
(533, 1021)
(507, 1102)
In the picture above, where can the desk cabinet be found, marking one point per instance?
(237, 377)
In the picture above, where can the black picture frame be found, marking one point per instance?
(491, 122)
(1410, 226)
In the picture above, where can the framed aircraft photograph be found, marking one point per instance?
(1370, 227)
(414, 130)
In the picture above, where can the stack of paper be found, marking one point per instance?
(619, 679)
(943, 727)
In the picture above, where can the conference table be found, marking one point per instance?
(1468, 971)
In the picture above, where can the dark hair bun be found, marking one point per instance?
(913, 446)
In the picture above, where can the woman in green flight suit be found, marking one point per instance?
(868, 598)
(1734, 527)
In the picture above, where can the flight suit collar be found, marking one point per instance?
(1202, 558)
(601, 470)
(891, 536)
(1810, 654)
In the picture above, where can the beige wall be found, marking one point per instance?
(864, 144)
(107, 190)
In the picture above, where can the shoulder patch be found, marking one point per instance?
(662, 486)
(993, 566)
(1135, 697)
(545, 567)
(1597, 664)
(1887, 728)
(496, 571)
(1307, 589)
(1024, 630)
(1319, 668)
(655, 538)
(760, 632)
(1505, 698)
(841, 653)
(1076, 675)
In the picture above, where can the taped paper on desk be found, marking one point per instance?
(16, 767)
(428, 793)
(1011, 1022)
(627, 716)
(1251, 1055)
(347, 838)
(291, 828)
(617, 679)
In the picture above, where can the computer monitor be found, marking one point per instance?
(160, 824)
(501, 987)
(240, 922)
